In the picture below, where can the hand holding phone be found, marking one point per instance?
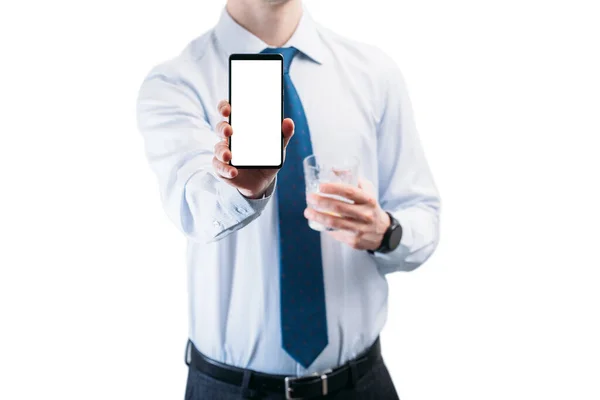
(251, 183)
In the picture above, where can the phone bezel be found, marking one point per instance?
(260, 57)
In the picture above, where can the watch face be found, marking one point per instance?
(395, 238)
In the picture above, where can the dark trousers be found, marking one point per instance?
(376, 384)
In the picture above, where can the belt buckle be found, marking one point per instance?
(288, 379)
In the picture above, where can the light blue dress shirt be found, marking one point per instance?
(356, 101)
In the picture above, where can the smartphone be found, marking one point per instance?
(256, 98)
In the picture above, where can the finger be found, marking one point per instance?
(222, 152)
(224, 130)
(358, 195)
(225, 171)
(224, 108)
(287, 128)
(366, 185)
(332, 221)
(355, 211)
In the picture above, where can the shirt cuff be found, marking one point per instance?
(239, 210)
(389, 262)
(259, 204)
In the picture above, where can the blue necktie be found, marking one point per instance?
(303, 315)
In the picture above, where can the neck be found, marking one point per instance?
(273, 22)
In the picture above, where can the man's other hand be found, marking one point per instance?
(360, 225)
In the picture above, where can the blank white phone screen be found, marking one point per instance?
(256, 112)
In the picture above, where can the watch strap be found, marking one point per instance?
(384, 247)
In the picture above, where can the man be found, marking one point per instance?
(258, 327)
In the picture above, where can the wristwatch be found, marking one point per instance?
(391, 237)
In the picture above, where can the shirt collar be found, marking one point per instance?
(236, 39)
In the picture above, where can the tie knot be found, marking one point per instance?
(288, 54)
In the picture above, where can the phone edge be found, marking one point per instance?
(253, 56)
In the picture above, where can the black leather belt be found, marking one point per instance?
(318, 384)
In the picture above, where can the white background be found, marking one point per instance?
(256, 112)
(507, 100)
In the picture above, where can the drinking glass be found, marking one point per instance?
(338, 169)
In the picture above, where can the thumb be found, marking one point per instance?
(287, 128)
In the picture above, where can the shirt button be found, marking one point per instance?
(240, 210)
(217, 224)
